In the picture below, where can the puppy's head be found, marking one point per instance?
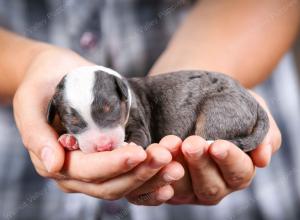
(93, 104)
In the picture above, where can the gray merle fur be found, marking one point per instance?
(186, 103)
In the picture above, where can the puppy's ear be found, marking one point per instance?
(52, 108)
(122, 88)
(51, 111)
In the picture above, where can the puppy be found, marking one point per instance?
(102, 109)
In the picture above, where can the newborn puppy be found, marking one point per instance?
(101, 109)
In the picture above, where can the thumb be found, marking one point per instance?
(37, 135)
(42, 141)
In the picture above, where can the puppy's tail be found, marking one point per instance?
(259, 131)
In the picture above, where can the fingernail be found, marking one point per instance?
(155, 164)
(163, 196)
(138, 158)
(48, 158)
(168, 178)
(193, 150)
(268, 150)
(219, 152)
(132, 162)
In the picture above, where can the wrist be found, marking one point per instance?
(55, 62)
(46, 69)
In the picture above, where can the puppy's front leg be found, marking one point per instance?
(137, 127)
(138, 135)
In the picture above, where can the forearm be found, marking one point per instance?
(244, 39)
(16, 54)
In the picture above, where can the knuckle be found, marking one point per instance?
(236, 180)
(142, 176)
(243, 185)
(247, 181)
(210, 195)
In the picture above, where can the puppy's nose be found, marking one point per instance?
(104, 144)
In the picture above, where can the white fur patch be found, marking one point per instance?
(90, 139)
(79, 86)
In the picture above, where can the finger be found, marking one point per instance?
(274, 136)
(155, 198)
(167, 175)
(157, 158)
(91, 189)
(40, 169)
(261, 156)
(182, 188)
(38, 137)
(235, 165)
(208, 184)
(163, 194)
(118, 187)
(101, 166)
(172, 143)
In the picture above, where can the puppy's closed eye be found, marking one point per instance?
(109, 105)
(106, 108)
(75, 122)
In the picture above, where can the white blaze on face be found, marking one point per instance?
(79, 86)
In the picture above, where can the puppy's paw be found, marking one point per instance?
(68, 141)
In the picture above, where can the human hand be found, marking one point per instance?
(108, 175)
(211, 171)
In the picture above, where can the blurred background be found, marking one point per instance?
(101, 38)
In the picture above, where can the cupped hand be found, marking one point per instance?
(212, 171)
(106, 175)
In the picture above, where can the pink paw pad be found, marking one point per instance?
(68, 141)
